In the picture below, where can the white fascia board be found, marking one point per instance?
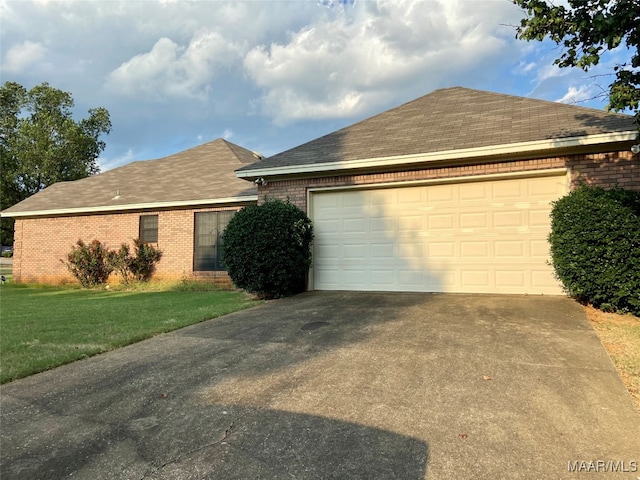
(464, 153)
(133, 206)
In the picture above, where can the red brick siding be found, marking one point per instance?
(607, 169)
(41, 243)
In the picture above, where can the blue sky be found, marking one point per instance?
(270, 75)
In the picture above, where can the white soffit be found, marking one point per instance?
(134, 206)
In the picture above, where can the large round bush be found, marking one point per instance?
(595, 246)
(267, 248)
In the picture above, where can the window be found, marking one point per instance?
(208, 230)
(149, 228)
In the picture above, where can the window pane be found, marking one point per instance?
(205, 232)
(149, 228)
(223, 220)
(208, 229)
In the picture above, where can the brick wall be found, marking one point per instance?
(41, 243)
(606, 169)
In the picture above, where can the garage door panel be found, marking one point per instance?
(353, 277)
(474, 278)
(475, 249)
(545, 189)
(383, 278)
(440, 222)
(509, 219)
(543, 279)
(539, 249)
(326, 252)
(508, 191)
(474, 192)
(540, 218)
(354, 225)
(489, 236)
(354, 199)
(357, 251)
(441, 250)
(441, 196)
(442, 280)
(383, 225)
(411, 278)
(474, 220)
(510, 249)
(380, 251)
(510, 279)
(411, 197)
(410, 223)
(412, 252)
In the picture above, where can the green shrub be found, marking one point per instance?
(595, 246)
(266, 249)
(89, 264)
(138, 267)
(143, 264)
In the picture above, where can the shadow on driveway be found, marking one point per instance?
(334, 385)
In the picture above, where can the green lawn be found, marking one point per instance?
(44, 327)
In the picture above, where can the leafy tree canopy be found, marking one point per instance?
(586, 29)
(41, 144)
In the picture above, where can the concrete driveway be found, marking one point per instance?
(337, 385)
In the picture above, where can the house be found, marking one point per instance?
(180, 204)
(450, 192)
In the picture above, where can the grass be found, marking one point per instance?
(44, 327)
(620, 336)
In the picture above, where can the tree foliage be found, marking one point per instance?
(587, 29)
(41, 143)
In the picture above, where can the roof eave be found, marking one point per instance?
(510, 150)
(239, 200)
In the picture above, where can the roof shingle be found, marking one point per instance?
(200, 173)
(451, 119)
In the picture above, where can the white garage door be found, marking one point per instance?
(482, 236)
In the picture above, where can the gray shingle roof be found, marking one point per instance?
(200, 173)
(451, 119)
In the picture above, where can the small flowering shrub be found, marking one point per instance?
(92, 264)
(89, 264)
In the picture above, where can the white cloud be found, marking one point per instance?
(110, 163)
(523, 68)
(549, 71)
(342, 65)
(167, 71)
(171, 70)
(227, 134)
(579, 95)
(19, 57)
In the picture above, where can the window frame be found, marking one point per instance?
(148, 234)
(214, 257)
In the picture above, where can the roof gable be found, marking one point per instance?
(196, 175)
(447, 120)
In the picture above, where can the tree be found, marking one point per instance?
(586, 30)
(41, 144)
